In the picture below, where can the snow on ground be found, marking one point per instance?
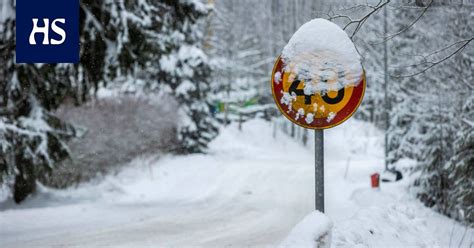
(313, 231)
(250, 190)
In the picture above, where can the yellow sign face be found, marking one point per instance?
(314, 111)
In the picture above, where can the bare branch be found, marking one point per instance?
(359, 22)
(426, 57)
(374, 8)
(409, 26)
(431, 64)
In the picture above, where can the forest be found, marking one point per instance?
(166, 77)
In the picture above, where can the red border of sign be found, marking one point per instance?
(318, 123)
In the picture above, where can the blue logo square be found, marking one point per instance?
(47, 31)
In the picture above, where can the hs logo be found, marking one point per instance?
(45, 31)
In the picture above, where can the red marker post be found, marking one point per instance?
(375, 180)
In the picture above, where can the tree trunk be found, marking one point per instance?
(25, 181)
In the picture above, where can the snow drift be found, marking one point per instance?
(313, 231)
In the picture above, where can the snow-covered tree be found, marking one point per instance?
(424, 118)
(446, 185)
(181, 68)
(31, 138)
(459, 170)
(446, 177)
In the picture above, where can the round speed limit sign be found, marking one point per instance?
(319, 110)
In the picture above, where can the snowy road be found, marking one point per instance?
(250, 190)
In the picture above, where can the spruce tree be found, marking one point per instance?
(446, 175)
(184, 72)
(31, 138)
(460, 169)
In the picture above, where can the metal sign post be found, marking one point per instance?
(319, 169)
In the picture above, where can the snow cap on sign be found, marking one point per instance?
(322, 55)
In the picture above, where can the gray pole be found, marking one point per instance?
(319, 169)
(386, 100)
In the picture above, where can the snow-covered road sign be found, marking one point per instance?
(318, 110)
(318, 82)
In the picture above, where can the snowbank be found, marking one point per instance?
(313, 231)
(320, 52)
